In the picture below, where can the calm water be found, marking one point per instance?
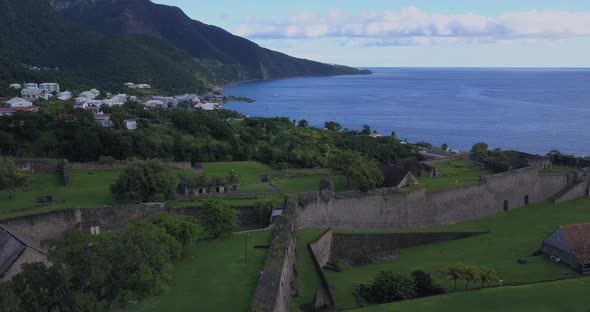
(533, 110)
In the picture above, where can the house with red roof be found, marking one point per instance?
(570, 244)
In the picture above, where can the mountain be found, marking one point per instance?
(33, 33)
(228, 57)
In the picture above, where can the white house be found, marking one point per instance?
(81, 105)
(32, 93)
(95, 92)
(130, 124)
(129, 85)
(31, 85)
(143, 86)
(50, 87)
(154, 103)
(103, 120)
(16, 86)
(18, 102)
(120, 98)
(208, 106)
(64, 96)
(87, 95)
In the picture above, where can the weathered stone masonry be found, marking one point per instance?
(395, 209)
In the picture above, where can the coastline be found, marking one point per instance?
(290, 77)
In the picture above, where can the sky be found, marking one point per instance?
(401, 33)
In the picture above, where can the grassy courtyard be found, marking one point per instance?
(307, 280)
(213, 275)
(513, 236)
(454, 173)
(89, 189)
(567, 295)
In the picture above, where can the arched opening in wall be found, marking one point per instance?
(526, 200)
(506, 205)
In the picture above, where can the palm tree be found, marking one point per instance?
(456, 272)
(487, 275)
(471, 274)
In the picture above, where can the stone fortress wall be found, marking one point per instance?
(53, 225)
(403, 209)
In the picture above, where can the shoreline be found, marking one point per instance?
(282, 78)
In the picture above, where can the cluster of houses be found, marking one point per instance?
(89, 100)
(132, 85)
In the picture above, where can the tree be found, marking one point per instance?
(10, 176)
(264, 210)
(9, 301)
(184, 229)
(389, 286)
(366, 130)
(218, 218)
(444, 147)
(455, 272)
(486, 275)
(480, 149)
(470, 274)
(332, 126)
(365, 174)
(144, 181)
(302, 123)
(107, 160)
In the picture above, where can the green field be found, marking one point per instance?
(567, 295)
(290, 181)
(307, 280)
(561, 169)
(88, 189)
(213, 275)
(514, 235)
(454, 173)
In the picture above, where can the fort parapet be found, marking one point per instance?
(404, 209)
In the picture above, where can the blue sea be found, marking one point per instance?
(532, 110)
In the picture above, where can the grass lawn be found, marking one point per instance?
(213, 275)
(454, 173)
(307, 280)
(248, 171)
(567, 295)
(89, 189)
(298, 184)
(514, 235)
(561, 169)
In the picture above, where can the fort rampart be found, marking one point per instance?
(403, 209)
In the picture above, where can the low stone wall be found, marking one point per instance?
(273, 290)
(97, 166)
(350, 246)
(321, 250)
(53, 225)
(576, 191)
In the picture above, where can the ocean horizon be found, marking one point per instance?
(532, 109)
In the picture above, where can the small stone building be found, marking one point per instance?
(16, 251)
(397, 177)
(570, 244)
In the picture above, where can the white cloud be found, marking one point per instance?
(412, 26)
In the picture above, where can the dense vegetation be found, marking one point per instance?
(98, 273)
(59, 131)
(32, 33)
(227, 57)
(389, 286)
(143, 181)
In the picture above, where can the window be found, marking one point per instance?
(505, 205)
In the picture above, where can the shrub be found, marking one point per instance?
(145, 181)
(424, 285)
(219, 218)
(387, 287)
(184, 229)
(107, 160)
